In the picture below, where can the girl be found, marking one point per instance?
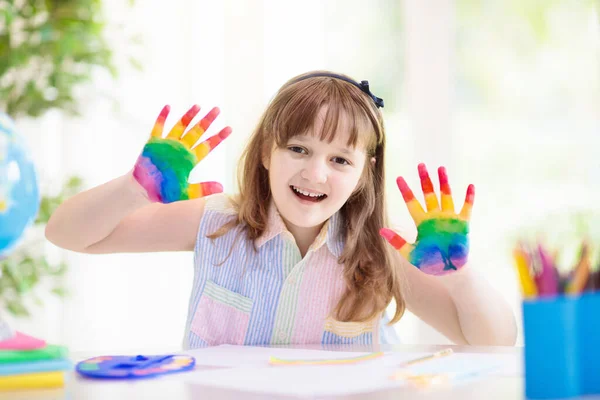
(299, 255)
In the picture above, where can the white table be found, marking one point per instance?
(174, 387)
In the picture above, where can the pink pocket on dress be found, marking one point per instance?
(222, 316)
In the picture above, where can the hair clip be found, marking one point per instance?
(364, 86)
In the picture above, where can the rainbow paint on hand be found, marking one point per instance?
(442, 244)
(165, 164)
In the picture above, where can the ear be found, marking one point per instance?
(361, 182)
(266, 157)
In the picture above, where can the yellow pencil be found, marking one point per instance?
(404, 374)
(37, 380)
(441, 353)
(351, 360)
(528, 286)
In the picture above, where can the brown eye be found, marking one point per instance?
(340, 160)
(297, 149)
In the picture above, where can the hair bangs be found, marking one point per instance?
(345, 110)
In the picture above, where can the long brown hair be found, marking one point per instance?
(371, 268)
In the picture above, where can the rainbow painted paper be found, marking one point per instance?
(442, 244)
(165, 164)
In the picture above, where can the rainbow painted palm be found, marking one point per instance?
(442, 244)
(164, 166)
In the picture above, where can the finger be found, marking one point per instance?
(431, 200)
(159, 125)
(396, 241)
(202, 189)
(465, 213)
(209, 144)
(192, 136)
(447, 202)
(414, 207)
(183, 123)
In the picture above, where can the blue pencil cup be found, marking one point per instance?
(589, 314)
(562, 346)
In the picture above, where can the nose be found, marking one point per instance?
(315, 171)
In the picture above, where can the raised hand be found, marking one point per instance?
(442, 244)
(164, 166)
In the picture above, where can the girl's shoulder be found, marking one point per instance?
(221, 203)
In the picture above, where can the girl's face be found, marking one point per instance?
(311, 179)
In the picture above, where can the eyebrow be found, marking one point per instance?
(345, 151)
(303, 138)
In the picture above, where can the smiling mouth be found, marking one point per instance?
(308, 196)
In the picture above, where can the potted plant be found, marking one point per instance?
(48, 50)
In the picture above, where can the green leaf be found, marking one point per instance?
(37, 301)
(17, 308)
(49, 203)
(61, 33)
(136, 64)
(60, 291)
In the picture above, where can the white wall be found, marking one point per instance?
(235, 54)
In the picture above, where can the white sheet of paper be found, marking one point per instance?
(249, 356)
(249, 370)
(496, 364)
(297, 380)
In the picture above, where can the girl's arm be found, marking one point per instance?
(485, 316)
(441, 289)
(151, 208)
(462, 306)
(118, 217)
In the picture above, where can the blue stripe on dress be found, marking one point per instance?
(258, 276)
(332, 338)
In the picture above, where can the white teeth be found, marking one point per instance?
(305, 193)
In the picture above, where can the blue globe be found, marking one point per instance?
(19, 193)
